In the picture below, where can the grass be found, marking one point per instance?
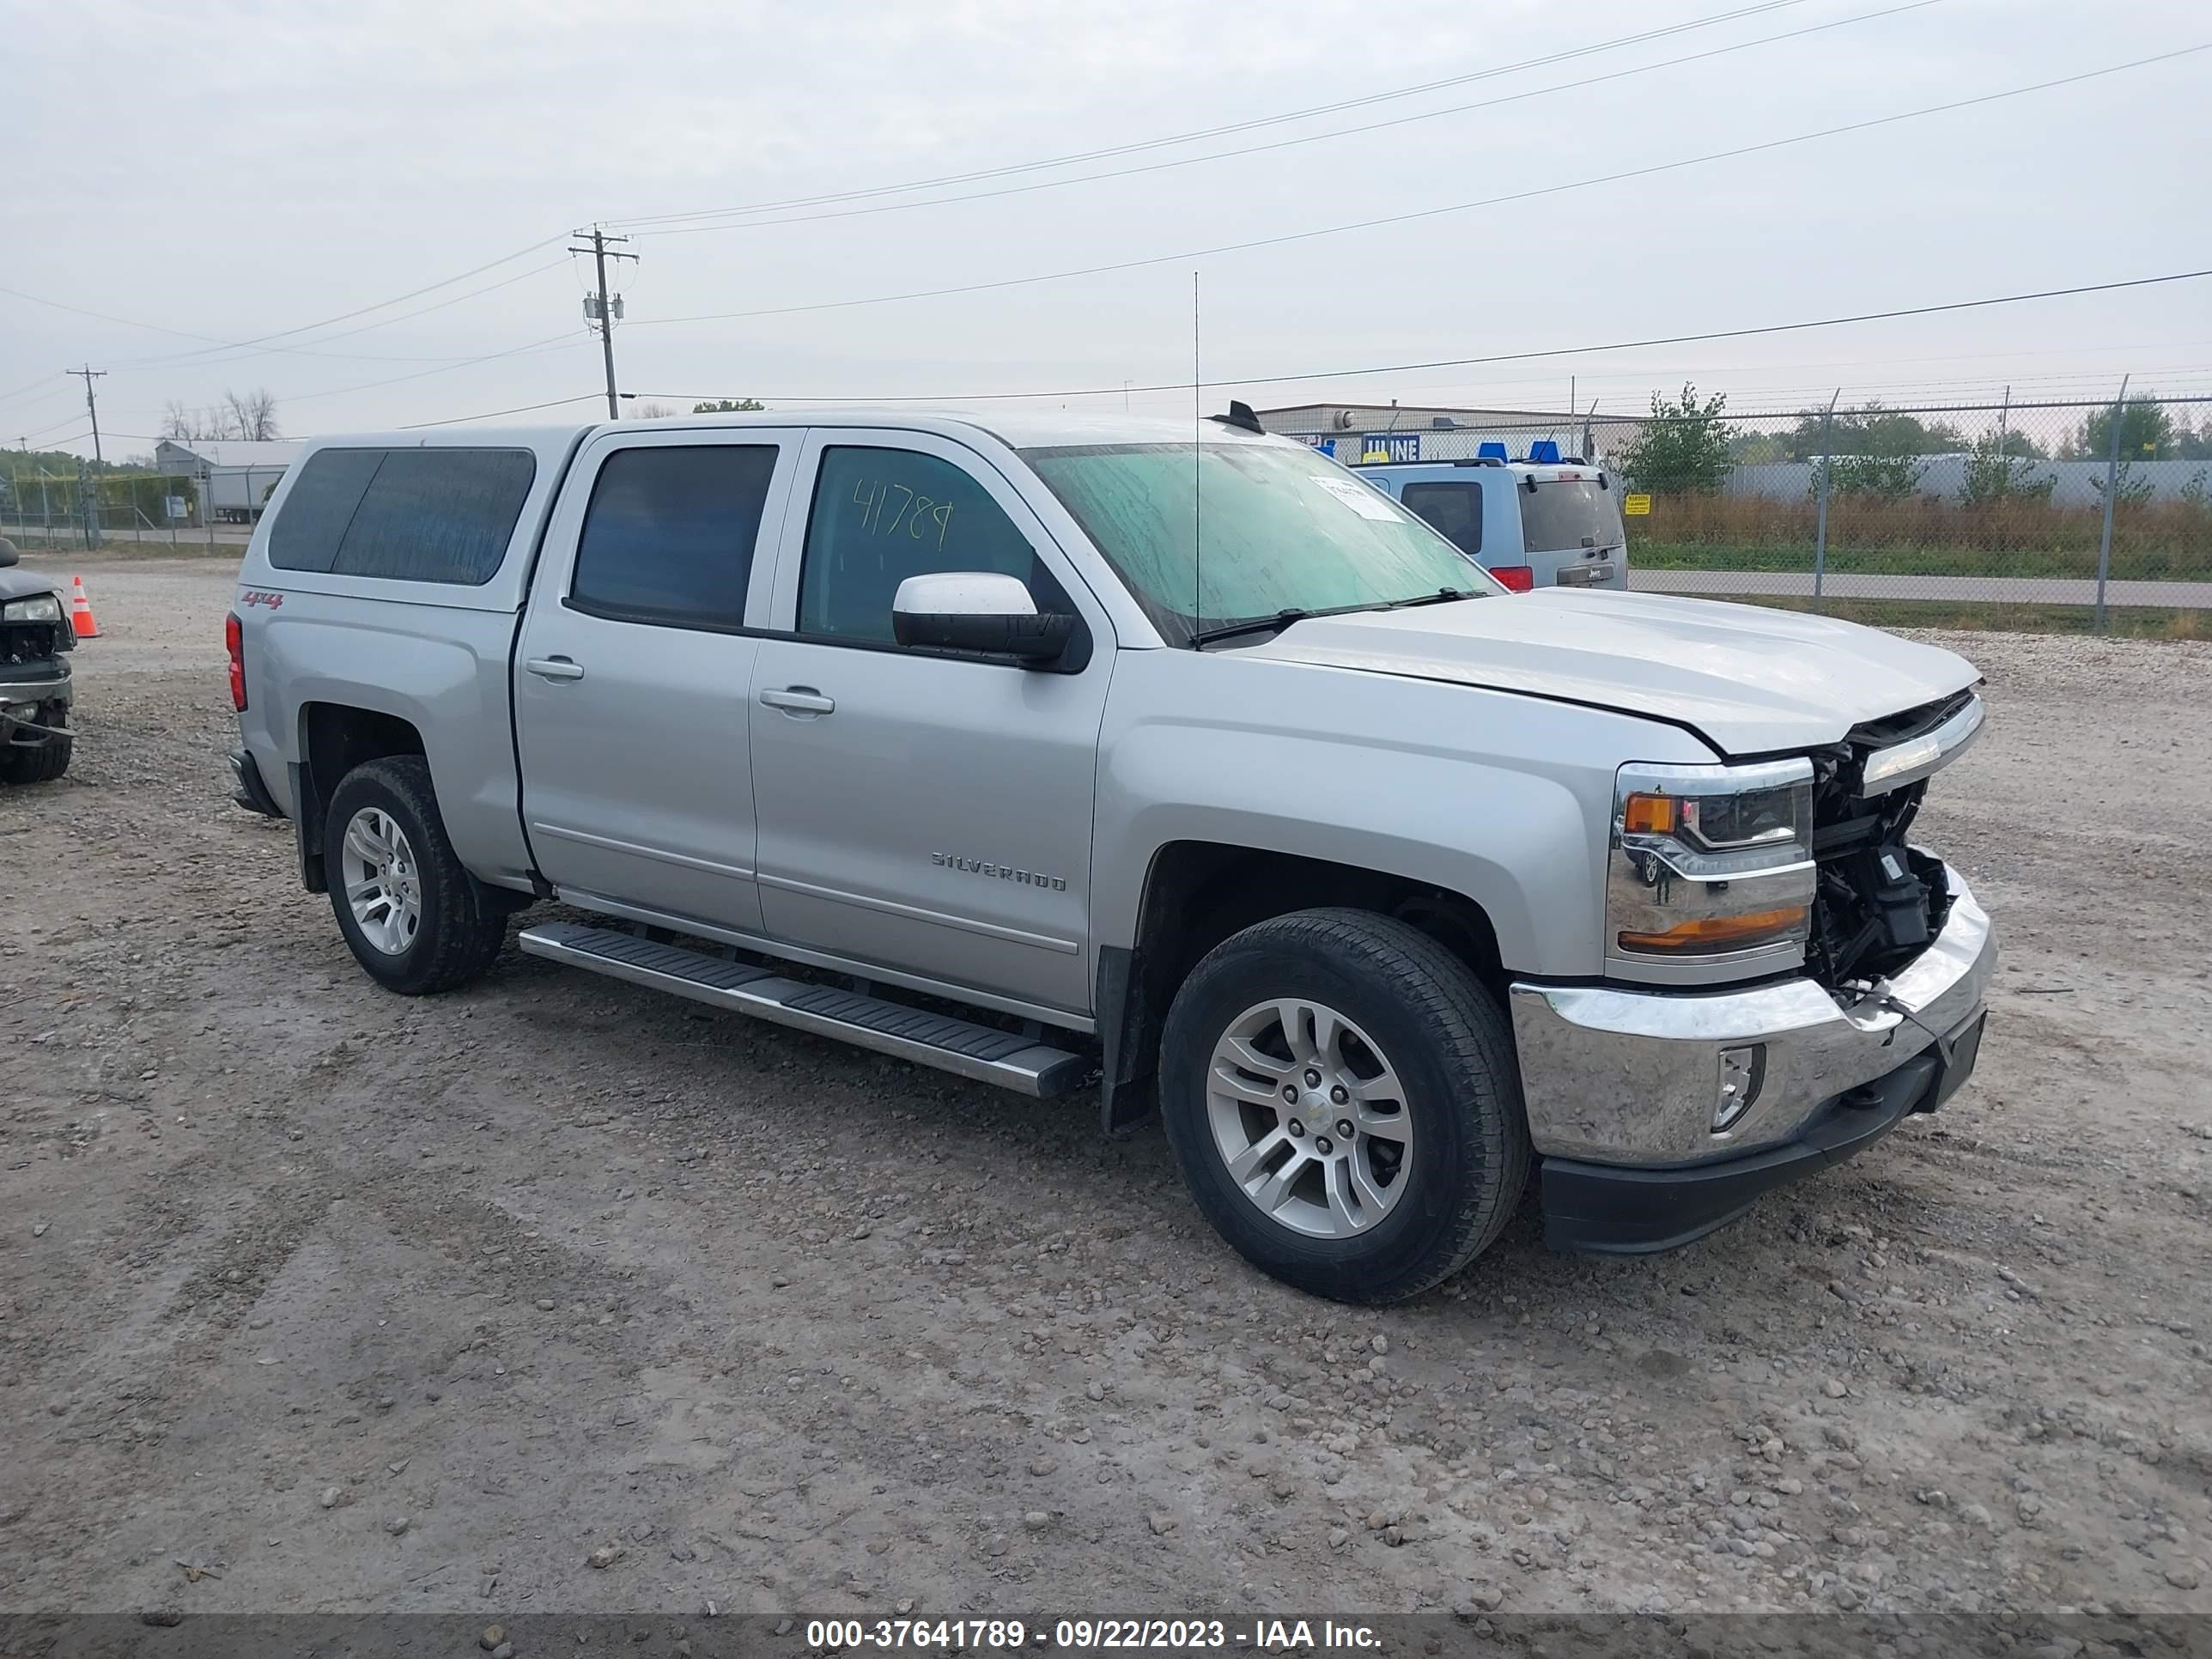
(2128, 563)
(1919, 536)
(61, 550)
(2122, 622)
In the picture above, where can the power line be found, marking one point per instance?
(1463, 207)
(493, 414)
(1306, 138)
(365, 328)
(1225, 130)
(1500, 357)
(1432, 213)
(562, 339)
(41, 431)
(381, 305)
(214, 344)
(43, 390)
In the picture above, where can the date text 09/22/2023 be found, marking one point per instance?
(1267, 1635)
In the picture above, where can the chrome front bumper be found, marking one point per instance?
(1630, 1076)
(54, 688)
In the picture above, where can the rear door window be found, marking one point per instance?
(1454, 511)
(670, 533)
(321, 504)
(437, 515)
(423, 515)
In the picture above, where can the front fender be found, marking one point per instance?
(1503, 800)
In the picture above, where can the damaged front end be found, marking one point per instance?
(1878, 901)
(36, 688)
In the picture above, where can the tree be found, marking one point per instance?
(250, 416)
(183, 424)
(1683, 449)
(1891, 477)
(1756, 448)
(728, 406)
(2128, 491)
(651, 411)
(2146, 433)
(1872, 430)
(1997, 470)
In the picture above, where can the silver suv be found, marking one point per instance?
(1531, 525)
(1058, 751)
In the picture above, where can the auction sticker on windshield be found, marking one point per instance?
(1360, 499)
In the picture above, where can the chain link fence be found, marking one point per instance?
(2001, 514)
(46, 509)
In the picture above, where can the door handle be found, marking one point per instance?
(555, 668)
(799, 700)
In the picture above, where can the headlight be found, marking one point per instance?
(40, 608)
(1711, 869)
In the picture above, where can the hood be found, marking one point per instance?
(17, 583)
(1748, 679)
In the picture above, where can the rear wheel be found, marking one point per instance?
(1341, 1095)
(417, 921)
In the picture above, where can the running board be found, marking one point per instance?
(982, 1051)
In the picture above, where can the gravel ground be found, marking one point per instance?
(369, 1303)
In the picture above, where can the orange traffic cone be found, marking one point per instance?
(81, 610)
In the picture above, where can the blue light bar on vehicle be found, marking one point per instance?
(1490, 449)
(1544, 452)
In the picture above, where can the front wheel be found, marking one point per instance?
(417, 920)
(1342, 1097)
(39, 762)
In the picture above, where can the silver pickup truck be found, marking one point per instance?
(1059, 750)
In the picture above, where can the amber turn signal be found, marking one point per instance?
(1651, 815)
(1713, 933)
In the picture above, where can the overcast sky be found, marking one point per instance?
(212, 173)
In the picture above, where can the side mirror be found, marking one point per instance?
(8, 553)
(977, 610)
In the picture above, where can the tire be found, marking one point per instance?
(457, 924)
(40, 765)
(1444, 1154)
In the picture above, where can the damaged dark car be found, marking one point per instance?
(35, 685)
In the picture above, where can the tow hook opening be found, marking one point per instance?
(1743, 1071)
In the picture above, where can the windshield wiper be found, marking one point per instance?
(1442, 596)
(1281, 619)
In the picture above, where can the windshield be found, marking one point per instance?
(1277, 528)
(1560, 514)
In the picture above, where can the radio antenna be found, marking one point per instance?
(1197, 427)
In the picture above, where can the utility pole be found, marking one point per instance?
(2112, 496)
(604, 309)
(92, 408)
